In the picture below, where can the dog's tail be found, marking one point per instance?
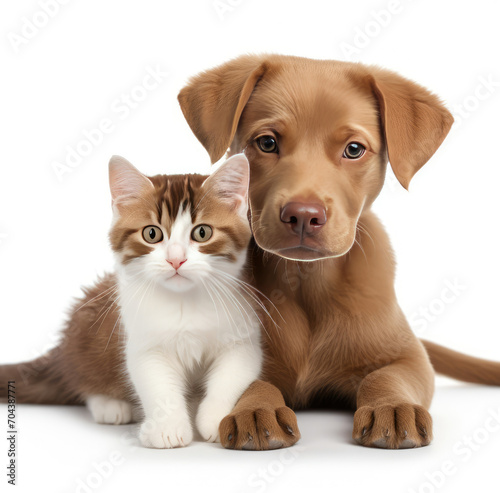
(38, 381)
(461, 366)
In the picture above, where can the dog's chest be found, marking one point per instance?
(316, 354)
(302, 351)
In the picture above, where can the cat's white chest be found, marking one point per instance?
(191, 325)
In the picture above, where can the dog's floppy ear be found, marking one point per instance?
(414, 120)
(212, 101)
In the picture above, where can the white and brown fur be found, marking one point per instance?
(343, 337)
(155, 332)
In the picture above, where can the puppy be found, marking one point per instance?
(318, 135)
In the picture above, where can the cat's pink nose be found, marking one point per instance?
(176, 262)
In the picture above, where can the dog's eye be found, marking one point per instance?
(201, 233)
(354, 150)
(152, 234)
(267, 143)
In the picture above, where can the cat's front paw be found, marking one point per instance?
(107, 410)
(169, 434)
(208, 419)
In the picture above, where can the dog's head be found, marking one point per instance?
(318, 135)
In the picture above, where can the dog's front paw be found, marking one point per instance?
(259, 429)
(168, 434)
(392, 426)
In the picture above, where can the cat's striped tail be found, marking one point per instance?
(37, 381)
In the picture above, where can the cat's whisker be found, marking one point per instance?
(254, 292)
(114, 303)
(112, 331)
(231, 296)
(233, 289)
(132, 296)
(216, 293)
(261, 323)
(112, 288)
(131, 276)
(267, 313)
(240, 281)
(113, 293)
(230, 292)
(103, 313)
(230, 318)
(213, 301)
(140, 302)
(249, 286)
(245, 311)
(225, 309)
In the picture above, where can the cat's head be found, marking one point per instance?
(179, 231)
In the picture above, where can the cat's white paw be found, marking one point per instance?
(106, 410)
(208, 419)
(169, 434)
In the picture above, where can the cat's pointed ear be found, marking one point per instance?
(230, 182)
(126, 182)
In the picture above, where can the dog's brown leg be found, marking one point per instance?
(392, 405)
(260, 421)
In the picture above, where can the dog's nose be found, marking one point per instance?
(305, 219)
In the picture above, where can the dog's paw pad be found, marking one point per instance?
(392, 426)
(259, 429)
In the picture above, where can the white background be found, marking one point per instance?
(67, 78)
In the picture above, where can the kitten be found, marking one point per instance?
(177, 313)
(180, 244)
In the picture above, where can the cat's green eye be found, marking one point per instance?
(152, 234)
(201, 233)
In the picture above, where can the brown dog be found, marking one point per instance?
(318, 135)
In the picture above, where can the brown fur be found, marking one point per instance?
(88, 360)
(342, 335)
